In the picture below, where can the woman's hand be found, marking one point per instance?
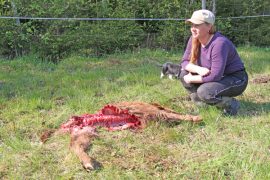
(189, 78)
(202, 71)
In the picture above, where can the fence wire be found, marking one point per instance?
(98, 36)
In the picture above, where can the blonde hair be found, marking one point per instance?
(196, 45)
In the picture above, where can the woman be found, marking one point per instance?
(212, 70)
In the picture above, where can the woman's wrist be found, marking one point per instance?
(196, 79)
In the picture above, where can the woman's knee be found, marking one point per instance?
(207, 94)
(202, 93)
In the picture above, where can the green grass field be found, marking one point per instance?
(37, 95)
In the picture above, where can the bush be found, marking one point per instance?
(55, 39)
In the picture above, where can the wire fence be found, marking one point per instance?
(111, 35)
(121, 19)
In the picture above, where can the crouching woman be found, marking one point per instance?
(212, 70)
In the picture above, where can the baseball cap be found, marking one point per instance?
(202, 16)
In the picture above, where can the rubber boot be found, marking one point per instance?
(229, 105)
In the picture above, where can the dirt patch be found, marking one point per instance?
(115, 62)
(261, 79)
(60, 101)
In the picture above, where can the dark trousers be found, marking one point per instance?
(212, 92)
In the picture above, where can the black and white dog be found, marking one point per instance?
(170, 69)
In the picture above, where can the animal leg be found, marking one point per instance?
(80, 142)
(171, 116)
(161, 75)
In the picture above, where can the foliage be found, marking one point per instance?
(56, 39)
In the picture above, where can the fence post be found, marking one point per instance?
(203, 4)
(17, 49)
(14, 9)
(214, 9)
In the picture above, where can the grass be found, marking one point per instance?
(36, 95)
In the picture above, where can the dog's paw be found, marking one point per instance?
(161, 75)
(170, 77)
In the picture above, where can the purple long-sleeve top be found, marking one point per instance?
(219, 55)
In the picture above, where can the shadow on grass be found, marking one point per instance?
(249, 108)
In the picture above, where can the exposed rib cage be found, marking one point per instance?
(110, 117)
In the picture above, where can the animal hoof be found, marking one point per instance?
(89, 167)
(197, 119)
(94, 165)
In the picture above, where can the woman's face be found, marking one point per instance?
(200, 31)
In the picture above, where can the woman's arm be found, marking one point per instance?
(219, 55)
(189, 78)
(202, 71)
(186, 56)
